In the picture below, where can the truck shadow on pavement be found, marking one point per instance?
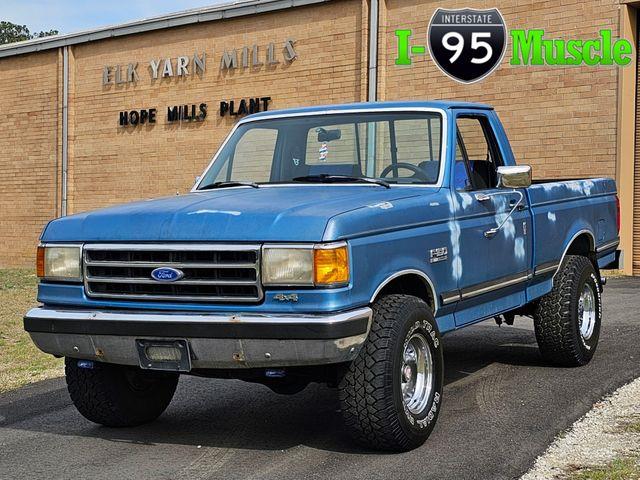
(237, 415)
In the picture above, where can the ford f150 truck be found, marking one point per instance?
(328, 244)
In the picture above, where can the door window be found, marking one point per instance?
(477, 155)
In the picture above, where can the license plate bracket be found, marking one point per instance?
(167, 355)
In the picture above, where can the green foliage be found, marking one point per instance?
(17, 279)
(11, 33)
(619, 469)
(20, 361)
(633, 427)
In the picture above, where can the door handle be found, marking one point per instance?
(513, 206)
(518, 204)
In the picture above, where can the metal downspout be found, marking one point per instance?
(373, 51)
(65, 128)
(372, 84)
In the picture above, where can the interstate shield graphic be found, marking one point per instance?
(467, 44)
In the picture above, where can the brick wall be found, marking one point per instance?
(28, 142)
(562, 121)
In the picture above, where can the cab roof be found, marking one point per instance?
(441, 104)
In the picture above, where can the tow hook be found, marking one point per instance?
(85, 364)
(275, 373)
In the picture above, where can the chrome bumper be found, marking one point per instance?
(215, 340)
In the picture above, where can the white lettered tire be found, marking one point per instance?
(391, 394)
(567, 320)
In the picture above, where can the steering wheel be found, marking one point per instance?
(417, 170)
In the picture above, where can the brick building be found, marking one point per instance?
(68, 143)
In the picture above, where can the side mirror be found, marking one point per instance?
(514, 176)
(196, 182)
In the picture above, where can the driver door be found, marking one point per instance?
(493, 269)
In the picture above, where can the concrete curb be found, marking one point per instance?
(596, 439)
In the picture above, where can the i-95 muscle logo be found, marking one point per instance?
(467, 45)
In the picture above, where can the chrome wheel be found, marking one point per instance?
(587, 312)
(416, 374)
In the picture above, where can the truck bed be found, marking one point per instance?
(564, 209)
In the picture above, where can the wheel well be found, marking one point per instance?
(409, 284)
(583, 245)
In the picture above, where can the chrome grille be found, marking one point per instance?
(212, 273)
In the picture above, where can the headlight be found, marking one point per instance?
(59, 263)
(305, 265)
(287, 266)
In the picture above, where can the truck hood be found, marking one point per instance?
(274, 213)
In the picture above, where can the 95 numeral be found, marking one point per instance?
(454, 42)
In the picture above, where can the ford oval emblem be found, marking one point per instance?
(167, 274)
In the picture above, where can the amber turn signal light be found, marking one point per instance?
(331, 266)
(40, 262)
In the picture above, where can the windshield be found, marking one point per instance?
(398, 148)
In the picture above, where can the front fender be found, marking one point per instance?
(379, 259)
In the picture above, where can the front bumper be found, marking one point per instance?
(215, 340)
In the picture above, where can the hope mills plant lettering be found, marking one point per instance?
(194, 112)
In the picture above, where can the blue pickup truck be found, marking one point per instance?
(331, 244)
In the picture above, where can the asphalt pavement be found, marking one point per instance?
(502, 407)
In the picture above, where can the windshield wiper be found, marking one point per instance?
(326, 178)
(229, 184)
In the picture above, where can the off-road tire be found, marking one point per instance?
(119, 395)
(370, 392)
(556, 321)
